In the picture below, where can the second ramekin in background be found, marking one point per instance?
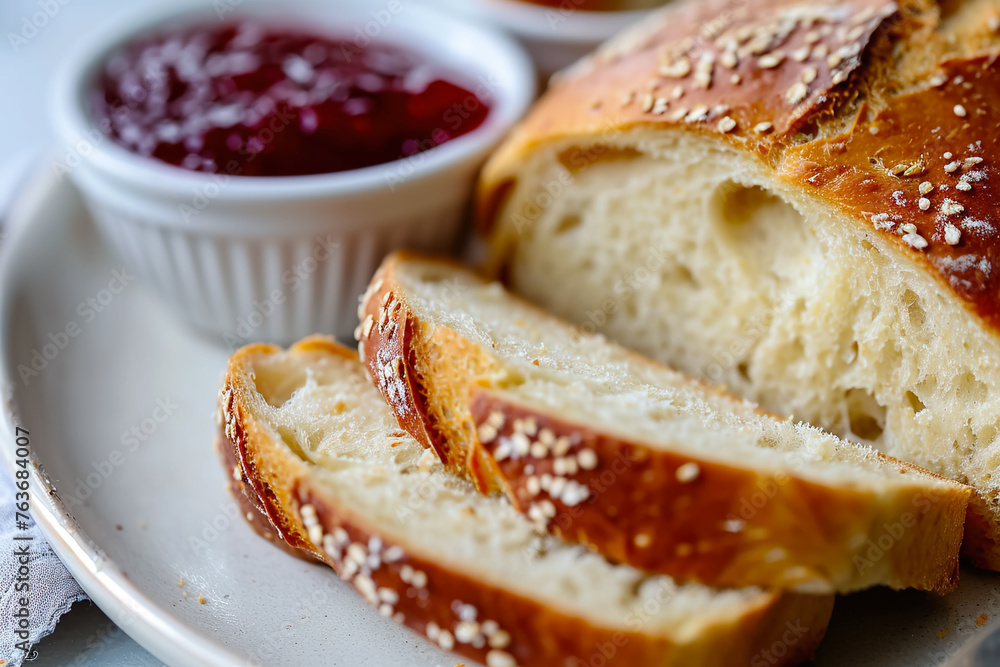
(277, 258)
(555, 36)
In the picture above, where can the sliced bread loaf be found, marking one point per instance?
(320, 454)
(644, 465)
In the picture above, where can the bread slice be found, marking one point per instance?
(648, 467)
(820, 236)
(321, 455)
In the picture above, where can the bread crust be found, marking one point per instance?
(282, 486)
(913, 106)
(727, 525)
(866, 118)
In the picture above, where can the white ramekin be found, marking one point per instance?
(556, 37)
(277, 258)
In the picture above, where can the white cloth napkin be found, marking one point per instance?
(51, 589)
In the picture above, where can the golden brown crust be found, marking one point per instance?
(954, 156)
(431, 599)
(696, 519)
(635, 504)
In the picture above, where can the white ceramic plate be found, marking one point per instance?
(165, 492)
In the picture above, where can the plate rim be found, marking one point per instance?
(168, 638)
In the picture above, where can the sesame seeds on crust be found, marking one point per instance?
(794, 53)
(927, 178)
(387, 579)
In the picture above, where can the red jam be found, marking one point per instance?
(245, 100)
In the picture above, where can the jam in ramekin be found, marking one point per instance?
(245, 99)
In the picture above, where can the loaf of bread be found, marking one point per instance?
(319, 453)
(639, 462)
(797, 200)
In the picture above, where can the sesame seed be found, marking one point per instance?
(873, 129)
(775, 554)
(908, 228)
(763, 128)
(833, 60)
(960, 111)
(647, 103)
(627, 98)
(433, 631)
(812, 37)
(201, 599)
(952, 234)
(642, 540)
(557, 486)
(446, 641)
(366, 587)
(728, 59)
(466, 631)
(356, 553)
(427, 460)
(699, 113)
(587, 459)
(926, 187)
(952, 167)
(677, 69)
(916, 241)
(688, 472)
(533, 485)
(771, 60)
(733, 525)
(500, 639)
(419, 579)
(487, 434)
(914, 169)
(562, 446)
(924, 203)
(660, 105)
(898, 169)
(388, 595)
(735, 79)
(385, 610)
(538, 450)
(726, 124)
(802, 55)
(972, 161)
(497, 658)
(951, 207)
(796, 93)
(489, 628)
(964, 186)
(993, 24)
(809, 75)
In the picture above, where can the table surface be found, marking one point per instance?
(85, 636)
